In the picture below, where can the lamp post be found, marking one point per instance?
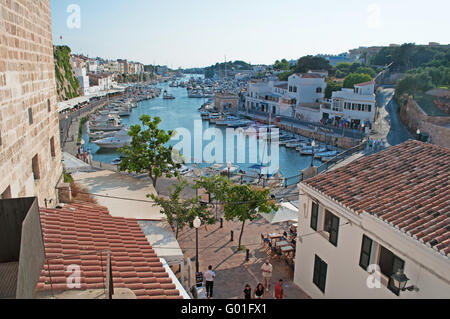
(418, 134)
(400, 280)
(197, 224)
(313, 145)
(229, 167)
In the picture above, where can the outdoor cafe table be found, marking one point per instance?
(282, 244)
(275, 236)
(287, 250)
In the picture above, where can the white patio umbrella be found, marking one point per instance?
(286, 212)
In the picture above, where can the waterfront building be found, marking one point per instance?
(308, 90)
(362, 223)
(123, 66)
(102, 81)
(224, 102)
(357, 105)
(30, 156)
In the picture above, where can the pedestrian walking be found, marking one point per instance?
(279, 290)
(210, 275)
(267, 274)
(247, 293)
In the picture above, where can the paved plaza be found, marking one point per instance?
(232, 271)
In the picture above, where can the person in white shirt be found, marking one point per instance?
(210, 275)
(267, 274)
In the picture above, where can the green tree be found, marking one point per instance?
(245, 202)
(414, 83)
(356, 78)
(310, 62)
(282, 65)
(285, 75)
(181, 212)
(148, 151)
(216, 187)
(366, 70)
(332, 86)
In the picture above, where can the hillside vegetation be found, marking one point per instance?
(67, 84)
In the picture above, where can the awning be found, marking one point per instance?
(286, 212)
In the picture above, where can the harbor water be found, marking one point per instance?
(182, 112)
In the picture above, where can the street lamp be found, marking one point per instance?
(313, 146)
(229, 168)
(418, 134)
(400, 280)
(197, 224)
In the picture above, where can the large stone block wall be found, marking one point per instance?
(437, 127)
(27, 81)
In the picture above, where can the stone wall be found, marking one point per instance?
(437, 127)
(27, 87)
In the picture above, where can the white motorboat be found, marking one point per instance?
(117, 141)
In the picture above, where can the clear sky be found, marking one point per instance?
(190, 33)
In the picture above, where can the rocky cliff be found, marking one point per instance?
(67, 84)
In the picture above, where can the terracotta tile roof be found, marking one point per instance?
(407, 186)
(80, 231)
(310, 75)
(365, 83)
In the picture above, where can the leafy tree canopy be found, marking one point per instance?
(148, 151)
(356, 78)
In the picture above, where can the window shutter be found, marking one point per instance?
(334, 230)
(397, 264)
(320, 273)
(366, 250)
(314, 216)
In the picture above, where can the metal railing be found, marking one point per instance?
(340, 158)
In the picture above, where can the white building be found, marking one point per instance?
(308, 90)
(356, 105)
(361, 223)
(83, 79)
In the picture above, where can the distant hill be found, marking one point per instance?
(67, 84)
(231, 66)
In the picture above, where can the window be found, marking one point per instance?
(295, 89)
(374, 253)
(0, 138)
(6, 194)
(331, 226)
(314, 216)
(35, 167)
(320, 273)
(366, 250)
(369, 108)
(319, 90)
(52, 147)
(30, 116)
(49, 107)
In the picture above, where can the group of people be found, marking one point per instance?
(375, 145)
(261, 290)
(84, 155)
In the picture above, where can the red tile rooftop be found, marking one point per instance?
(365, 83)
(407, 186)
(84, 229)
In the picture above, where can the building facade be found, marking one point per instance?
(30, 155)
(357, 106)
(360, 224)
